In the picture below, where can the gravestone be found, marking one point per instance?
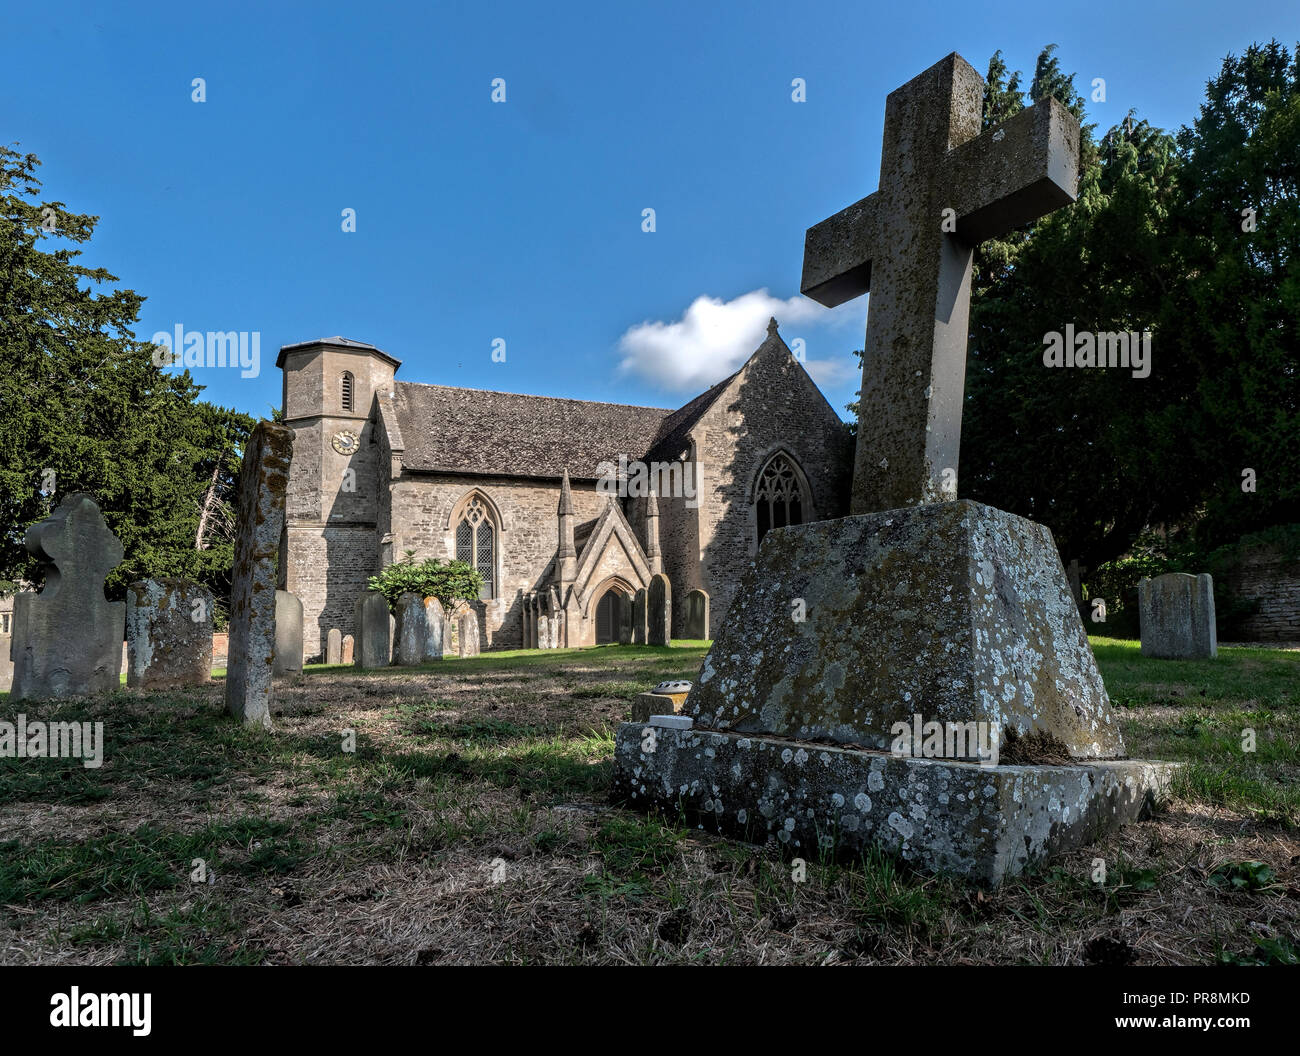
(168, 634)
(288, 635)
(624, 619)
(370, 617)
(660, 615)
(467, 634)
(437, 630)
(67, 640)
(872, 670)
(1176, 614)
(697, 614)
(544, 631)
(263, 483)
(334, 646)
(6, 662)
(640, 618)
(349, 644)
(412, 632)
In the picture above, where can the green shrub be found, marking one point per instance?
(449, 583)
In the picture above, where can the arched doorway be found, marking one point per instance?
(607, 617)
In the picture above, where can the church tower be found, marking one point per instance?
(335, 479)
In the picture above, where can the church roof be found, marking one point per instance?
(474, 431)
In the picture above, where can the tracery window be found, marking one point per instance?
(779, 498)
(476, 543)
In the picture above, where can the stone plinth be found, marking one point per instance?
(1177, 617)
(168, 634)
(981, 823)
(954, 611)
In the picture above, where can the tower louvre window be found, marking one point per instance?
(346, 387)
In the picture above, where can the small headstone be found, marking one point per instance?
(168, 634)
(411, 636)
(263, 483)
(1177, 617)
(468, 634)
(625, 619)
(334, 646)
(67, 640)
(697, 614)
(288, 634)
(543, 632)
(640, 618)
(371, 621)
(349, 644)
(660, 604)
(436, 630)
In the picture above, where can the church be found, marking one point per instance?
(541, 494)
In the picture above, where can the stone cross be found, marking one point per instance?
(67, 640)
(944, 187)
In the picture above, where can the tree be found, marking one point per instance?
(83, 407)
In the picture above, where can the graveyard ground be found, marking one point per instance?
(502, 764)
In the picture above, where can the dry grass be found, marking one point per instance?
(471, 826)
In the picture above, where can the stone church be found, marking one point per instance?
(540, 494)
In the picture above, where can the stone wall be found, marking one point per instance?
(1263, 576)
(782, 411)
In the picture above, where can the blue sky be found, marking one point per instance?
(522, 220)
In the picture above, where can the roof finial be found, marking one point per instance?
(771, 327)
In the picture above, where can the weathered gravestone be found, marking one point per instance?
(263, 482)
(437, 630)
(334, 646)
(869, 666)
(349, 644)
(640, 618)
(288, 634)
(467, 634)
(168, 634)
(697, 614)
(370, 617)
(624, 619)
(660, 616)
(1176, 614)
(67, 640)
(412, 634)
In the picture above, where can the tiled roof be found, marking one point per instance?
(472, 431)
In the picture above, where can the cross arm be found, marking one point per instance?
(837, 254)
(1013, 173)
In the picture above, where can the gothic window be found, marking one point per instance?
(779, 500)
(476, 543)
(346, 386)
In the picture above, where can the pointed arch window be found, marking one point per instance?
(779, 499)
(347, 389)
(476, 543)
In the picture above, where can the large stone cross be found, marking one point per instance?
(944, 187)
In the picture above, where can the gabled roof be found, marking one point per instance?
(473, 431)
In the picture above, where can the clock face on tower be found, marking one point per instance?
(345, 442)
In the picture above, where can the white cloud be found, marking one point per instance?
(714, 337)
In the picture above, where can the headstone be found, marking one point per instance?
(467, 634)
(67, 640)
(437, 630)
(288, 635)
(6, 663)
(334, 646)
(370, 618)
(168, 634)
(697, 614)
(624, 619)
(348, 645)
(263, 483)
(412, 633)
(1074, 573)
(1176, 614)
(660, 604)
(640, 618)
(923, 636)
